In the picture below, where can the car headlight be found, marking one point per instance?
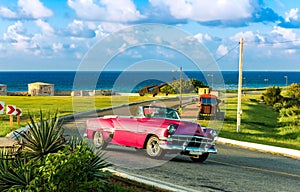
(213, 133)
(171, 129)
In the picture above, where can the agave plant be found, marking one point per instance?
(62, 165)
(97, 164)
(15, 173)
(43, 137)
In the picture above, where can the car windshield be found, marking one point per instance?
(159, 112)
(209, 101)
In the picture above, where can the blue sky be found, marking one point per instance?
(57, 34)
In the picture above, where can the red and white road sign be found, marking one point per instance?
(2, 107)
(18, 112)
(11, 110)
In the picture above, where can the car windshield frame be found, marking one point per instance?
(158, 112)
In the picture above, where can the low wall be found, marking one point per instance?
(70, 93)
(17, 93)
(92, 92)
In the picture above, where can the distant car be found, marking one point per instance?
(157, 130)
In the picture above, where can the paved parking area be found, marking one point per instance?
(190, 112)
(5, 141)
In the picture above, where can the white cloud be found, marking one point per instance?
(283, 34)
(291, 15)
(2, 47)
(57, 47)
(15, 33)
(108, 27)
(290, 51)
(17, 38)
(34, 9)
(80, 29)
(7, 13)
(222, 50)
(164, 52)
(78, 55)
(106, 10)
(248, 36)
(122, 48)
(207, 37)
(130, 39)
(206, 10)
(279, 35)
(158, 39)
(45, 27)
(200, 37)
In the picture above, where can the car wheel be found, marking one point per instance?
(199, 158)
(98, 140)
(152, 148)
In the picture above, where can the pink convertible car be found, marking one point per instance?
(157, 130)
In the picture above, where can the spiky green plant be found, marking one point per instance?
(15, 173)
(43, 137)
(46, 161)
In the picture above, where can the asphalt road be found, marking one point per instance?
(232, 169)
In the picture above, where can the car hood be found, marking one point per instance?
(186, 127)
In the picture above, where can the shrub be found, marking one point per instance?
(71, 170)
(290, 116)
(277, 106)
(187, 86)
(272, 96)
(294, 91)
(47, 162)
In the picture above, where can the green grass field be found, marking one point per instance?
(259, 124)
(64, 105)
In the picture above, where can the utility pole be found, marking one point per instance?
(286, 81)
(240, 83)
(180, 87)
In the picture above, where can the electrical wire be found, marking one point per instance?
(227, 52)
(271, 43)
(257, 43)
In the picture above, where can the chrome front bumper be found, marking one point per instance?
(189, 145)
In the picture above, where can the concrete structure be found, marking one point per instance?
(204, 90)
(40, 89)
(92, 92)
(207, 90)
(3, 89)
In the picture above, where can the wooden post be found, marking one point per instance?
(11, 121)
(18, 120)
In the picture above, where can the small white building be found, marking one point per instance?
(41, 89)
(3, 89)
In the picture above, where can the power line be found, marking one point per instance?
(272, 43)
(228, 52)
(256, 43)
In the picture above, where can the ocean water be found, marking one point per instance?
(134, 80)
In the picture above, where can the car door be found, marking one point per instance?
(125, 131)
(148, 126)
